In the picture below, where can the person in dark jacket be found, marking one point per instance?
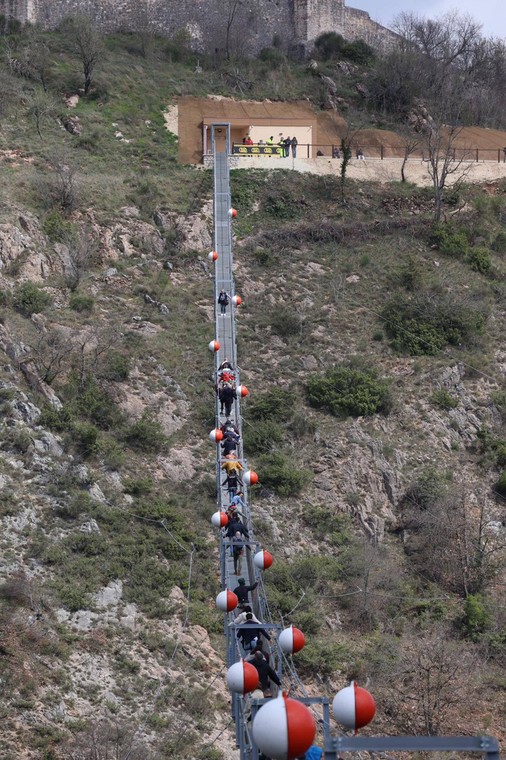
(249, 636)
(265, 672)
(228, 425)
(232, 481)
(230, 442)
(223, 301)
(241, 591)
(236, 526)
(226, 395)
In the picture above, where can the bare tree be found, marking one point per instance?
(50, 354)
(41, 107)
(144, 26)
(86, 43)
(81, 251)
(451, 542)
(410, 142)
(432, 675)
(231, 12)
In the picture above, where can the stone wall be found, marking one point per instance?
(295, 22)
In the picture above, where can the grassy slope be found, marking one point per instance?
(331, 319)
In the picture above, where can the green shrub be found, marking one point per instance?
(263, 436)
(501, 454)
(322, 658)
(499, 399)
(343, 390)
(275, 405)
(146, 434)
(285, 321)
(76, 505)
(450, 241)
(476, 617)
(328, 525)
(425, 323)
(117, 367)
(86, 438)
(277, 472)
(271, 55)
(138, 486)
(358, 51)
(91, 401)
(499, 244)
(30, 299)
(329, 45)
(444, 400)
(279, 206)
(57, 228)
(430, 486)
(81, 303)
(479, 260)
(500, 485)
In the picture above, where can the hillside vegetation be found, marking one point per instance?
(372, 341)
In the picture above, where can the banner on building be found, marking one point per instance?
(259, 150)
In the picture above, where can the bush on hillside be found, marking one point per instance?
(277, 472)
(499, 244)
(479, 259)
(263, 436)
(81, 303)
(450, 241)
(423, 324)
(344, 390)
(500, 485)
(286, 321)
(30, 299)
(273, 56)
(146, 434)
(275, 405)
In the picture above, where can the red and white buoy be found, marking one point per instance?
(263, 559)
(214, 346)
(216, 435)
(353, 706)
(232, 212)
(226, 601)
(242, 391)
(219, 519)
(236, 300)
(250, 477)
(291, 640)
(283, 728)
(242, 677)
(212, 256)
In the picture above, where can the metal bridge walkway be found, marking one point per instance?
(225, 335)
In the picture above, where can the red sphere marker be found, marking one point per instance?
(216, 435)
(283, 728)
(250, 478)
(242, 391)
(214, 346)
(219, 519)
(226, 601)
(242, 677)
(212, 256)
(291, 640)
(353, 706)
(263, 559)
(236, 300)
(232, 212)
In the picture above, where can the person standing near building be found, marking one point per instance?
(287, 142)
(294, 143)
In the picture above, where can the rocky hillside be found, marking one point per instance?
(373, 346)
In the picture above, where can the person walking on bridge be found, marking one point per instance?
(232, 465)
(223, 301)
(226, 395)
(266, 674)
(232, 482)
(241, 591)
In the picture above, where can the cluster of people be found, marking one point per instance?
(225, 388)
